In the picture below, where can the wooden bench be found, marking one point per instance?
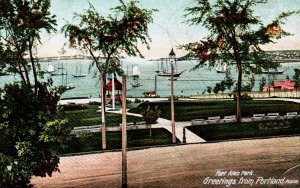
(214, 119)
(272, 115)
(128, 124)
(140, 123)
(94, 126)
(198, 122)
(231, 118)
(291, 114)
(81, 128)
(258, 117)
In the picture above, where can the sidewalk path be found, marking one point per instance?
(164, 123)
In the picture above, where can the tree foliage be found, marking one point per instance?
(21, 23)
(150, 115)
(110, 36)
(262, 83)
(31, 133)
(31, 136)
(236, 36)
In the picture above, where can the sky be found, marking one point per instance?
(168, 29)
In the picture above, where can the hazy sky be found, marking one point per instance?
(168, 29)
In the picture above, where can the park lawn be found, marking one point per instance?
(135, 138)
(88, 116)
(226, 131)
(189, 110)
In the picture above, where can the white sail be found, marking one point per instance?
(50, 68)
(135, 71)
(222, 68)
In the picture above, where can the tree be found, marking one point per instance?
(296, 78)
(150, 115)
(236, 36)
(21, 23)
(262, 83)
(108, 37)
(32, 134)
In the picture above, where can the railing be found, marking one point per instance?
(253, 94)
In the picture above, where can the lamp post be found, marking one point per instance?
(172, 58)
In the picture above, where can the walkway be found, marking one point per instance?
(164, 123)
(181, 166)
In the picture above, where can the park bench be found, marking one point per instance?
(141, 123)
(198, 122)
(258, 117)
(291, 114)
(81, 128)
(272, 115)
(94, 126)
(231, 118)
(214, 119)
(128, 124)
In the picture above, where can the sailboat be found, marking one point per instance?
(59, 73)
(136, 82)
(165, 71)
(135, 71)
(50, 69)
(78, 75)
(67, 86)
(222, 68)
(135, 75)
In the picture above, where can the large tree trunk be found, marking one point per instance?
(239, 98)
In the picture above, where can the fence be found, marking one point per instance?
(253, 94)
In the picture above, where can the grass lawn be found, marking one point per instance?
(135, 138)
(88, 116)
(188, 110)
(242, 130)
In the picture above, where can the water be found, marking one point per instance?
(189, 83)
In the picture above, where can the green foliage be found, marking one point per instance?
(112, 35)
(189, 110)
(236, 35)
(296, 78)
(227, 131)
(248, 86)
(244, 97)
(150, 115)
(21, 23)
(262, 83)
(30, 133)
(227, 83)
(136, 100)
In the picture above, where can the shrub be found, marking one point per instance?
(150, 115)
(136, 100)
(73, 107)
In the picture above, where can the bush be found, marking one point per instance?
(245, 97)
(150, 115)
(73, 107)
(136, 100)
(175, 98)
(94, 103)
